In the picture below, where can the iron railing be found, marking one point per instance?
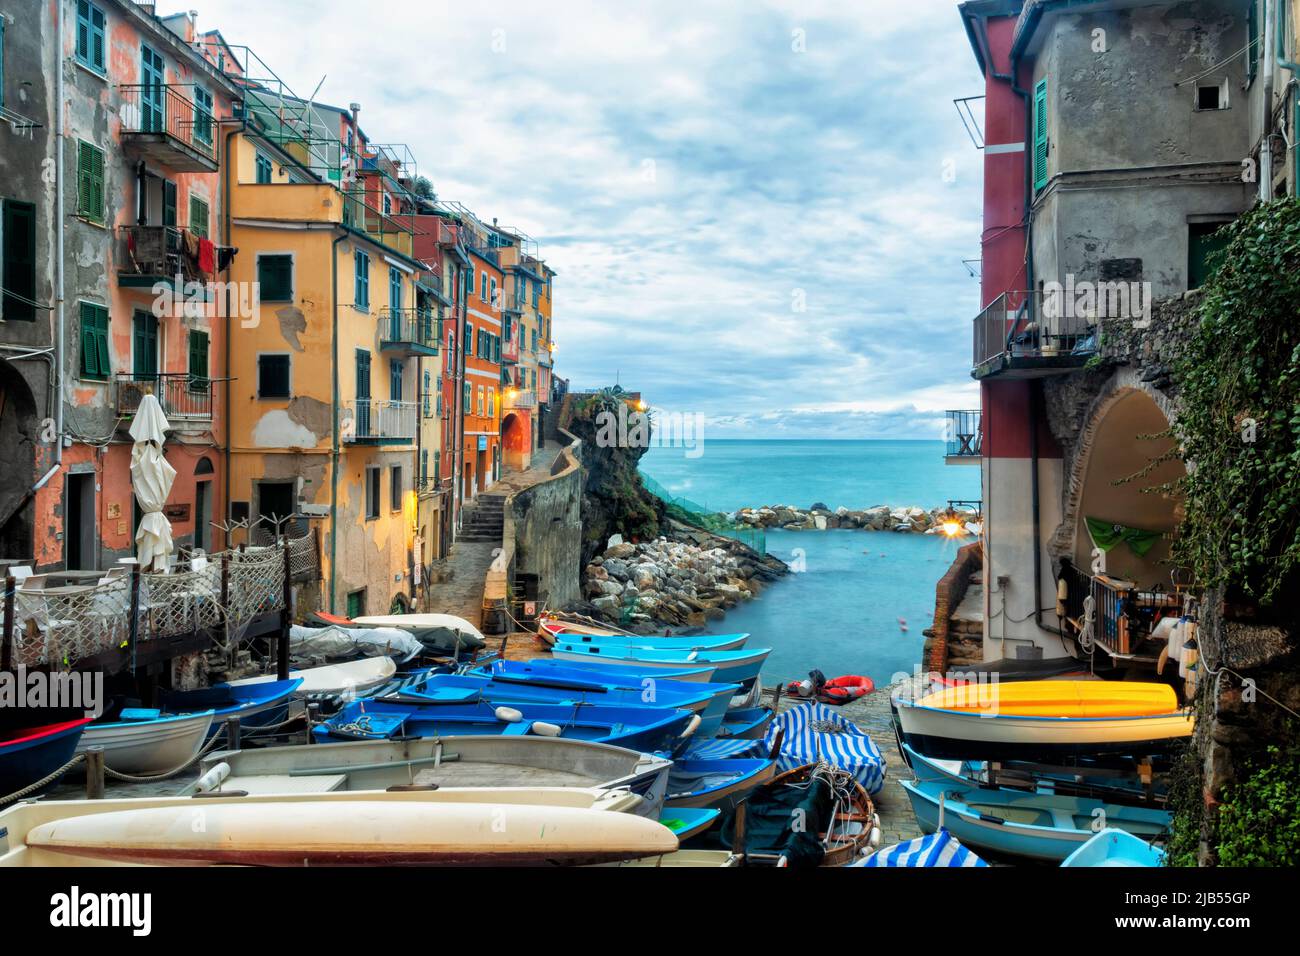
(371, 420)
(168, 108)
(520, 398)
(399, 328)
(962, 435)
(181, 395)
(1026, 325)
(155, 251)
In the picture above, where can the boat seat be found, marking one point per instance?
(518, 728)
(258, 784)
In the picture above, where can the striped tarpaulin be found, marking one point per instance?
(815, 732)
(724, 749)
(938, 849)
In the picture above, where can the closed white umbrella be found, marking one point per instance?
(151, 478)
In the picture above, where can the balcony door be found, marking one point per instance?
(152, 79)
(144, 351)
(363, 393)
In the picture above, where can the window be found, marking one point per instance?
(372, 492)
(1040, 134)
(438, 393)
(424, 466)
(18, 267)
(469, 281)
(361, 293)
(202, 115)
(394, 288)
(357, 603)
(395, 379)
(263, 169)
(479, 406)
(198, 350)
(1212, 95)
(469, 339)
(90, 36)
(273, 376)
(395, 488)
(94, 341)
(1253, 44)
(437, 466)
(425, 402)
(491, 402)
(90, 182)
(275, 278)
(493, 300)
(198, 217)
(483, 293)
(469, 396)
(388, 205)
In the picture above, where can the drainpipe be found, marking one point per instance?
(60, 319)
(1294, 68)
(225, 236)
(1266, 143)
(334, 432)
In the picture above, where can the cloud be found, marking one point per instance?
(760, 235)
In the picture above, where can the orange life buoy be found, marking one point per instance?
(841, 690)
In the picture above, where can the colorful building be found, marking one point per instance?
(481, 343)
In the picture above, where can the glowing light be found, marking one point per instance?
(952, 528)
(640, 405)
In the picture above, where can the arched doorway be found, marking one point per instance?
(516, 441)
(18, 433)
(1125, 507)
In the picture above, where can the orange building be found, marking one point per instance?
(481, 339)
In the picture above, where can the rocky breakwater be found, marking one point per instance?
(686, 578)
(820, 518)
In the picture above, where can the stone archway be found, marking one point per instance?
(1110, 448)
(516, 440)
(19, 431)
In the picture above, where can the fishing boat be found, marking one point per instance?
(256, 705)
(637, 728)
(685, 858)
(698, 673)
(439, 633)
(30, 754)
(1040, 826)
(422, 828)
(748, 723)
(836, 821)
(350, 678)
(461, 689)
(648, 685)
(1044, 720)
(700, 642)
(146, 741)
(732, 667)
(1111, 847)
(550, 627)
(687, 822)
(715, 783)
(444, 762)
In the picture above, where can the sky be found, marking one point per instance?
(757, 210)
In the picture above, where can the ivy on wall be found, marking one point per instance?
(1239, 419)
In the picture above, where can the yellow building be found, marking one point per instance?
(325, 390)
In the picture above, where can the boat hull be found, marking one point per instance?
(702, 642)
(1113, 847)
(148, 746)
(716, 783)
(732, 667)
(350, 679)
(33, 754)
(1003, 821)
(697, 673)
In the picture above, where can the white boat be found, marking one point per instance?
(351, 678)
(446, 763)
(425, 827)
(149, 746)
(421, 622)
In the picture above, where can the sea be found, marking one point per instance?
(857, 601)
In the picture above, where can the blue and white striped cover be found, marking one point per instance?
(724, 749)
(938, 849)
(851, 750)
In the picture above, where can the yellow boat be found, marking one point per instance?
(1052, 698)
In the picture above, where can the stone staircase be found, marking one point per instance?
(484, 519)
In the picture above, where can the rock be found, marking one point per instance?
(819, 506)
(620, 550)
(613, 540)
(614, 568)
(606, 605)
(819, 521)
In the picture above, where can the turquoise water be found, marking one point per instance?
(840, 612)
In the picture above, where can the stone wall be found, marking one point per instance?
(948, 594)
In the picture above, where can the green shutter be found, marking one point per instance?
(90, 182)
(275, 278)
(169, 203)
(198, 217)
(94, 341)
(198, 361)
(1040, 134)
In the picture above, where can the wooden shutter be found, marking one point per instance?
(19, 275)
(169, 203)
(1040, 134)
(198, 360)
(90, 182)
(198, 217)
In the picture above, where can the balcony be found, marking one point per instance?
(510, 349)
(1016, 337)
(962, 437)
(153, 254)
(372, 422)
(182, 397)
(1119, 617)
(408, 331)
(520, 398)
(162, 123)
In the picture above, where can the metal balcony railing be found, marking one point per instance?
(369, 421)
(414, 331)
(155, 251)
(520, 398)
(180, 394)
(1022, 331)
(168, 113)
(962, 436)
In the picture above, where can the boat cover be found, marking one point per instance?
(770, 817)
(335, 642)
(938, 849)
(813, 732)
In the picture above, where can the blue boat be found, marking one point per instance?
(1113, 847)
(1040, 826)
(699, 642)
(29, 754)
(688, 822)
(739, 667)
(649, 687)
(746, 723)
(715, 783)
(637, 728)
(464, 688)
(700, 674)
(256, 705)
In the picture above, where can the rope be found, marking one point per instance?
(39, 784)
(207, 748)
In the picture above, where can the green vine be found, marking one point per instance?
(1257, 822)
(1239, 420)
